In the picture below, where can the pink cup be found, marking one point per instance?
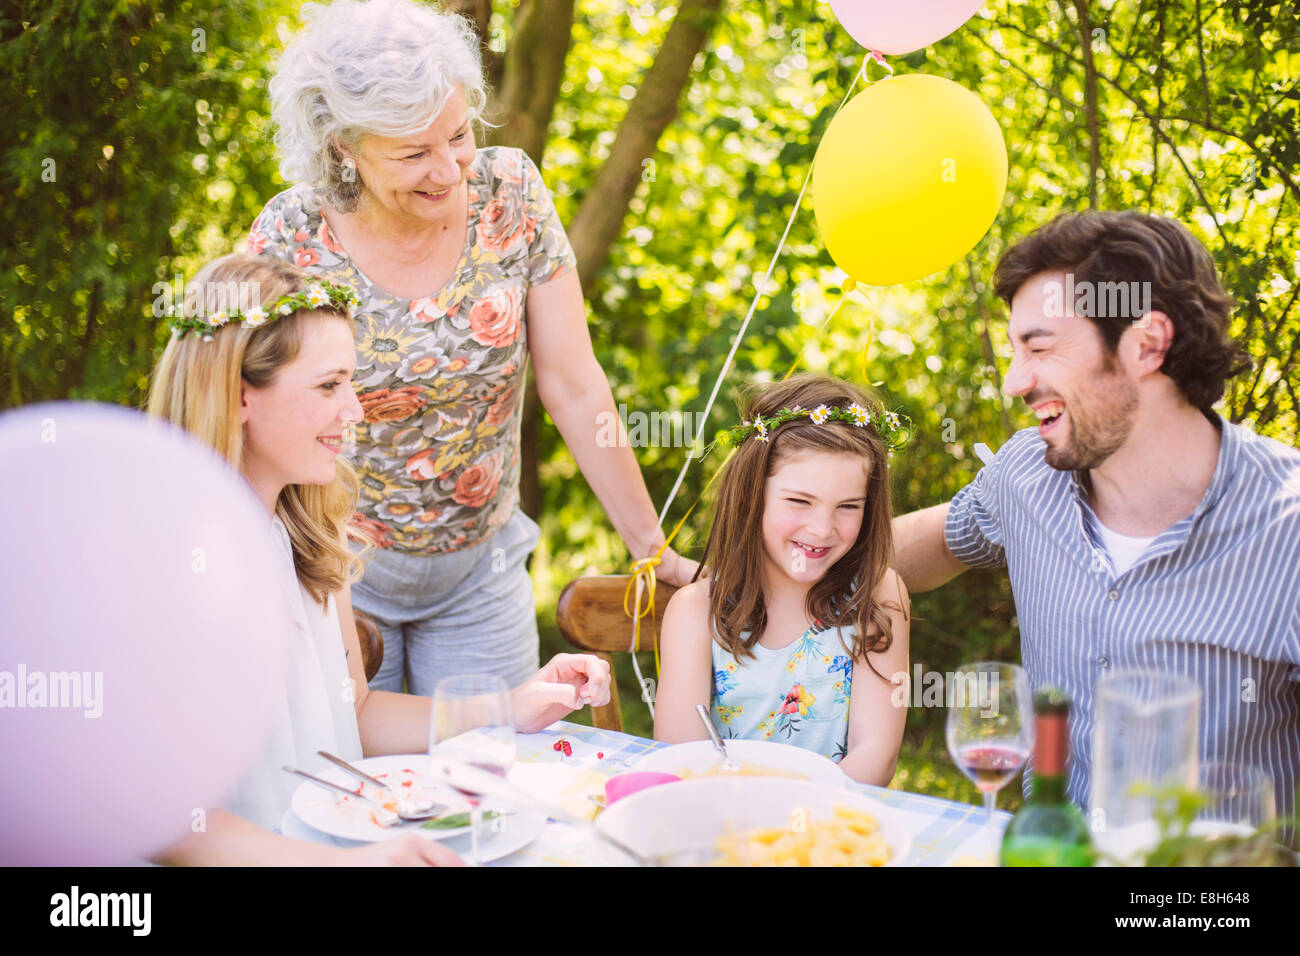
(625, 784)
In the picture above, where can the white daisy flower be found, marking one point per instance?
(255, 316)
(762, 430)
(316, 297)
(860, 415)
(285, 309)
(820, 414)
(218, 318)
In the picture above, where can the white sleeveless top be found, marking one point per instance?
(317, 710)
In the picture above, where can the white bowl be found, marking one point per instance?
(699, 756)
(688, 817)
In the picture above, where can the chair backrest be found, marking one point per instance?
(372, 642)
(591, 617)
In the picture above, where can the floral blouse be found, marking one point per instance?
(440, 378)
(798, 694)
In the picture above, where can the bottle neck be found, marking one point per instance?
(1051, 749)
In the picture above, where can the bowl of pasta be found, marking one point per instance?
(756, 821)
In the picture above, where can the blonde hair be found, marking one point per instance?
(196, 385)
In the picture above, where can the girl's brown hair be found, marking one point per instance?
(197, 385)
(844, 596)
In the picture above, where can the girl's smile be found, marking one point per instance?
(812, 513)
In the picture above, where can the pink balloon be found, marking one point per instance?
(144, 634)
(893, 27)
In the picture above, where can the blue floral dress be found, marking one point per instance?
(798, 694)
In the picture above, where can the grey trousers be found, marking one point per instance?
(463, 612)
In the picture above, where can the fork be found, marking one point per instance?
(405, 803)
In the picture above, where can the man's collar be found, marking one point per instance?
(1224, 469)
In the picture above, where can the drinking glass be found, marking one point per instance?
(471, 723)
(1238, 800)
(1144, 746)
(990, 728)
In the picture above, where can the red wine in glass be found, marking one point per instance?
(487, 766)
(991, 766)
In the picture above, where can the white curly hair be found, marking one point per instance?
(382, 67)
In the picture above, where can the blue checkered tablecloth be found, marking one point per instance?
(944, 833)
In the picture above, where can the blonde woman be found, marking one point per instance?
(266, 381)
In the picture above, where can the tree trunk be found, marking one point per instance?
(531, 75)
(600, 217)
(479, 13)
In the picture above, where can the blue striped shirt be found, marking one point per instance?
(1215, 597)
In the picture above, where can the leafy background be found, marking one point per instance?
(675, 139)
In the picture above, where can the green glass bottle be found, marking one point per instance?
(1049, 830)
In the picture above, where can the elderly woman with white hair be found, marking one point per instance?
(464, 273)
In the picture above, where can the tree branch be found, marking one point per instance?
(1090, 99)
(600, 217)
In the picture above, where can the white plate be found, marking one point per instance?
(689, 817)
(349, 819)
(700, 755)
(517, 831)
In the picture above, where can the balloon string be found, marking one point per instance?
(759, 291)
(642, 582)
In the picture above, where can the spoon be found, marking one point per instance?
(405, 804)
(383, 816)
(728, 765)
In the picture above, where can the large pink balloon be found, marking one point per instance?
(894, 27)
(143, 634)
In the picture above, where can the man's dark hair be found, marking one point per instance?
(1130, 247)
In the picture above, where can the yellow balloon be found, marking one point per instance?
(908, 178)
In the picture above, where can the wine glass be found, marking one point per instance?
(990, 728)
(471, 723)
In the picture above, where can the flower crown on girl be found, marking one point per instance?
(319, 295)
(895, 430)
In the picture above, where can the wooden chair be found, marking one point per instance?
(372, 642)
(591, 617)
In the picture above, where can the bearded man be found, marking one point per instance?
(1140, 529)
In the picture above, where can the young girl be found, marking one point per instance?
(800, 625)
(269, 387)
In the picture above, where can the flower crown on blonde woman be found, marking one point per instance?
(895, 430)
(317, 296)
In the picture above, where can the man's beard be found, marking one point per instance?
(1101, 430)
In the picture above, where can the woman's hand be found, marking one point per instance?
(674, 569)
(566, 683)
(406, 850)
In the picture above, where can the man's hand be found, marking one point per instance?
(566, 683)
